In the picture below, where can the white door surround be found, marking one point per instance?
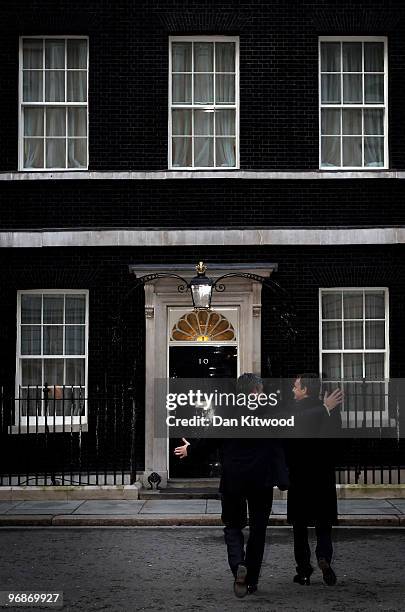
(162, 294)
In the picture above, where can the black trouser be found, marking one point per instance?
(302, 552)
(234, 517)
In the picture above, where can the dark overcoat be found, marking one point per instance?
(311, 464)
(249, 465)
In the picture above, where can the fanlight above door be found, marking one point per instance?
(203, 326)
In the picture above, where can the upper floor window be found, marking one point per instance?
(53, 103)
(203, 102)
(353, 102)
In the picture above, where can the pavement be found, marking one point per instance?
(193, 512)
(184, 569)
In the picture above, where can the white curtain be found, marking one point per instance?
(225, 147)
(74, 340)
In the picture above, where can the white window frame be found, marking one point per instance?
(383, 106)
(234, 39)
(368, 414)
(22, 104)
(58, 423)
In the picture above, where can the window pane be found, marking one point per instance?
(353, 305)
(55, 53)
(53, 340)
(352, 154)
(33, 122)
(225, 151)
(373, 57)
(77, 86)
(55, 122)
(225, 88)
(181, 152)
(374, 366)
(77, 121)
(203, 123)
(53, 308)
(31, 372)
(203, 89)
(31, 340)
(33, 153)
(353, 334)
(331, 305)
(53, 372)
(351, 121)
(353, 366)
(330, 120)
(55, 153)
(77, 53)
(203, 57)
(330, 56)
(225, 123)
(374, 121)
(374, 88)
(75, 309)
(31, 308)
(375, 335)
(225, 57)
(181, 122)
(75, 372)
(74, 339)
(331, 366)
(181, 88)
(332, 335)
(352, 52)
(330, 151)
(330, 86)
(374, 152)
(375, 305)
(55, 86)
(32, 86)
(352, 89)
(204, 152)
(77, 152)
(181, 57)
(32, 53)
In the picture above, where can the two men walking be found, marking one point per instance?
(250, 470)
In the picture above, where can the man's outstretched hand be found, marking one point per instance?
(181, 451)
(330, 401)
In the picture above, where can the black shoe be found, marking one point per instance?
(240, 587)
(252, 588)
(329, 576)
(303, 575)
(301, 579)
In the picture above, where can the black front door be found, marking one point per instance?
(199, 361)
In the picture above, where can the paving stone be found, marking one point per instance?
(399, 504)
(213, 506)
(175, 506)
(5, 506)
(111, 507)
(45, 507)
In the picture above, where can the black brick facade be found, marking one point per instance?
(128, 115)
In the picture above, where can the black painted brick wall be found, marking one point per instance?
(129, 63)
(201, 203)
(302, 271)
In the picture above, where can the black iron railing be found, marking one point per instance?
(56, 435)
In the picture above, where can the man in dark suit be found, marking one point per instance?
(250, 469)
(312, 492)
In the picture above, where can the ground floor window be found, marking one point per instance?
(52, 351)
(354, 351)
